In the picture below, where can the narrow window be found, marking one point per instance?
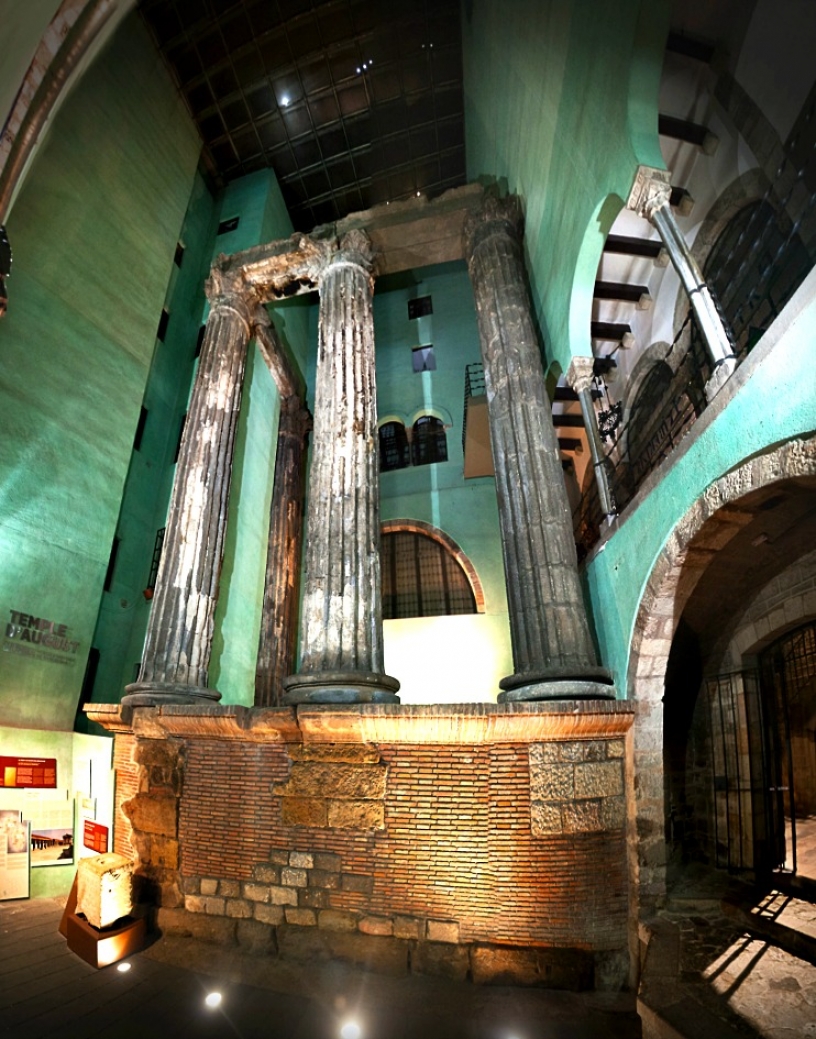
(140, 428)
(422, 306)
(228, 225)
(163, 322)
(423, 359)
(429, 441)
(111, 564)
(395, 451)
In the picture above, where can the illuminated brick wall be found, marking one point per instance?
(127, 784)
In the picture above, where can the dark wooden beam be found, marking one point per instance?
(611, 330)
(616, 290)
(568, 421)
(628, 246)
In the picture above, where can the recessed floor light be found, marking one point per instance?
(123, 968)
(350, 1030)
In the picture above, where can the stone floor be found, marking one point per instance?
(46, 992)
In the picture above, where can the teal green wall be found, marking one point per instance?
(563, 123)
(93, 232)
(777, 403)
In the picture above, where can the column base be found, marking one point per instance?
(591, 683)
(339, 687)
(155, 694)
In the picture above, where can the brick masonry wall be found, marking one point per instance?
(127, 784)
(429, 842)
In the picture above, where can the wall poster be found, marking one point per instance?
(15, 848)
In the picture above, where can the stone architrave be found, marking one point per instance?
(276, 649)
(579, 376)
(176, 658)
(553, 654)
(341, 619)
(650, 198)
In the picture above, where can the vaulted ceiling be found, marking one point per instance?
(351, 102)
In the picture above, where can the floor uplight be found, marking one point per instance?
(123, 968)
(213, 1000)
(350, 1030)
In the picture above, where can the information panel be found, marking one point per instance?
(28, 772)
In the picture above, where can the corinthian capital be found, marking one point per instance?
(495, 215)
(651, 190)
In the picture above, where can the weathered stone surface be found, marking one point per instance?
(613, 813)
(153, 813)
(164, 852)
(266, 873)
(355, 753)
(357, 815)
(379, 925)
(325, 879)
(337, 920)
(220, 929)
(552, 783)
(314, 897)
(283, 896)
(340, 779)
(571, 750)
(301, 859)
(304, 811)
(443, 931)
(301, 917)
(328, 861)
(293, 877)
(279, 858)
(256, 892)
(376, 954)
(239, 908)
(210, 905)
(256, 938)
(569, 969)
(409, 927)
(209, 886)
(268, 914)
(599, 779)
(545, 819)
(615, 748)
(543, 754)
(229, 888)
(440, 960)
(357, 882)
(581, 817)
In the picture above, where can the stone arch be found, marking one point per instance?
(707, 525)
(451, 547)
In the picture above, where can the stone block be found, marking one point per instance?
(443, 931)
(313, 779)
(567, 969)
(164, 852)
(301, 860)
(409, 927)
(545, 819)
(219, 929)
(581, 817)
(169, 893)
(358, 882)
(328, 861)
(293, 877)
(379, 925)
(615, 748)
(571, 750)
(354, 753)
(229, 888)
(272, 915)
(304, 811)
(543, 754)
(200, 904)
(441, 960)
(337, 920)
(192, 885)
(105, 888)
(325, 879)
(356, 815)
(255, 938)
(279, 858)
(301, 917)
(314, 897)
(313, 945)
(256, 892)
(153, 813)
(598, 779)
(594, 750)
(238, 908)
(613, 813)
(283, 896)
(266, 873)
(209, 886)
(551, 783)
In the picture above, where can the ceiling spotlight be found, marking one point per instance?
(124, 967)
(213, 1000)
(358, 70)
(284, 100)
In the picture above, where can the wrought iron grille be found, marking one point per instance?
(420, 578)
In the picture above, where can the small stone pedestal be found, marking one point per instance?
(97, 921)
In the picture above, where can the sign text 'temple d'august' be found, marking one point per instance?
(24, 633)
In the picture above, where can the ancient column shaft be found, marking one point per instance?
(175, 663)
(276, 650)
(650, 197)
(579, 376)
(553, 652)
(341, 620)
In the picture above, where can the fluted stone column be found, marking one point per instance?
(276, 649)
(553, 654)
(650, 198)
(176, 658)
(341, 621)
(579, 376)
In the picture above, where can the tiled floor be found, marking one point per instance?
(46, 992)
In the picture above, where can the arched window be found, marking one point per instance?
(429, 442)
(425, 575)
(394, 448)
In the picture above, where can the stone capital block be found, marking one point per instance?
(356, 815)
(598, 779)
